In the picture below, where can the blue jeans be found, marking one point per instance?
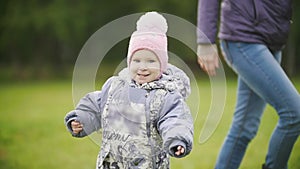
(261, 80)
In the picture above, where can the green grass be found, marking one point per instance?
(33, 136)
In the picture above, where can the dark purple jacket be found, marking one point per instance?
(254, 21)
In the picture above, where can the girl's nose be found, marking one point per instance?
(143, 66)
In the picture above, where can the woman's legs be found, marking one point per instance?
(244, 126)
(262, 78)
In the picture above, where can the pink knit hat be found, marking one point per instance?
(151, 29)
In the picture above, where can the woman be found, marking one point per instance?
(253, 34)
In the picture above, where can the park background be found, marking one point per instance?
(39, 44)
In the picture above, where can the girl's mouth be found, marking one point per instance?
(143, 75)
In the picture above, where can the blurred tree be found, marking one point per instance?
(42, 36)
(290, 60)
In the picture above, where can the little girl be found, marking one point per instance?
(142, 112)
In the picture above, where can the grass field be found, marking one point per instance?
(33, 136)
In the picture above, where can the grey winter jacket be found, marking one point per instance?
(141, 125)
(253, 21)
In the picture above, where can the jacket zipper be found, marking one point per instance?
(148, 128)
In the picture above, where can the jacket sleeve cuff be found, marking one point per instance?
(71, 116)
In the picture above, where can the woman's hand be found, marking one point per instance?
(208, 58)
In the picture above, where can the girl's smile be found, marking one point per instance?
(144, 66)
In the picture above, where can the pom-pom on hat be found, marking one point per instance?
(150, 34)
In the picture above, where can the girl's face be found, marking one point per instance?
(144, 66)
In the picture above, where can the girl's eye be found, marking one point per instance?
(151, 61)
(136, 60)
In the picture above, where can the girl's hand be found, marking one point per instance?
(180, 151)
(76, 127)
